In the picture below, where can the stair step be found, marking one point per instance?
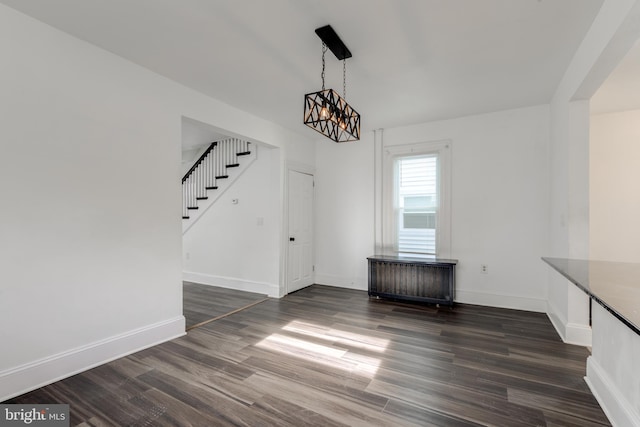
(228, 155)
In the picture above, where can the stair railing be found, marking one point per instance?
(210, 166)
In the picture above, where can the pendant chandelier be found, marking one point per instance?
(326, 111)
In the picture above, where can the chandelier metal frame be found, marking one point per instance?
(326, 111)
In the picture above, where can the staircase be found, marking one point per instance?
(209, 172)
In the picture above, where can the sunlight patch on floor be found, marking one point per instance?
(342, 353)
(350, 339)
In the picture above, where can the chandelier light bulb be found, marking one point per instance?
(324, 113)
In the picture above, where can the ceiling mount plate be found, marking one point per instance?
(333, 42)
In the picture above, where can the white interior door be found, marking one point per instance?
(300, 261)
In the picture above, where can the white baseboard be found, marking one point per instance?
(465, 297)
(501, 300)
(271, 289)
(22, 379)
(570, 333)
(357, 283)
(614, 404)
(557, 322)
(578, 334)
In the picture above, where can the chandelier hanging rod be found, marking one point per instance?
(333, 42)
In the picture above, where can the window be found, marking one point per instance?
(415, 200)
(417, 212)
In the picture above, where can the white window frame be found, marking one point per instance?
(386, 229)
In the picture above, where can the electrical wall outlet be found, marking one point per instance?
(484, 269)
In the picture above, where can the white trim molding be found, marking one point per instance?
(377, 185)
(293, 166)
(30, 376)
(570, 333)
(557, 320)
(385, 157)
(615, 405)
(514, 302)
(578, 334)
(358, 283)
(270, 289)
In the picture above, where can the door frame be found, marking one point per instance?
(292, 166)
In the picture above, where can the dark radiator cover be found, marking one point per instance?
(430, 280)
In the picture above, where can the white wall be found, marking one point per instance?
(596, 56)
(613, 183)
(90, 190)
(499, 205)
(89, 178)
(499, 202)
(344, 212)
(576, 222)
(568, 306)
(236, 245)
(613, 372)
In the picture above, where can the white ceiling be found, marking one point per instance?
(413, 60)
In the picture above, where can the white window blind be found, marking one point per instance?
(417, 201)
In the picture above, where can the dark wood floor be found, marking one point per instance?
(203, 303)
(331, 357)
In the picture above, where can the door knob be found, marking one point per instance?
(292, 239)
